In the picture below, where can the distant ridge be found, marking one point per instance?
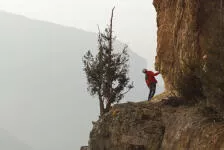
(8, 142)
(43, 86)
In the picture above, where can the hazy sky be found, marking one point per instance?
(134, 24)
(134, 21)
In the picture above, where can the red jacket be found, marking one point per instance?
(150, 77)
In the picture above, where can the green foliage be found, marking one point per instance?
(107, 72)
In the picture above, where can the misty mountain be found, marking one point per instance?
(43, 100)
(8, 142)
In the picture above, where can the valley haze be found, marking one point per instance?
(44, 102)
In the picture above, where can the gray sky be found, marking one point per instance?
(134, 22)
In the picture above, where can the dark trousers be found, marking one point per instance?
(152, 88)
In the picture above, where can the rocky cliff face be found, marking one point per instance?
(190, 56)
(84, 148)
(190, 44)
(168, 125)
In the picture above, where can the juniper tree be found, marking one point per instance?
(107, 72)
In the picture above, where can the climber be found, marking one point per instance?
(150, 81)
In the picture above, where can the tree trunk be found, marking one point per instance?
(108, 106)
(110, 60)
(111, 30)
(101, 106)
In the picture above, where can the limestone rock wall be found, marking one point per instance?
(190, 55)
(84, 148)
(151, 126)
(191, 41)
(127, 128)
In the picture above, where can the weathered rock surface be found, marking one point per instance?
(191, 42)
(84, 148)
(167, 125)
(190, 56)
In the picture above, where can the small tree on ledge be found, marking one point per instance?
(107, 72)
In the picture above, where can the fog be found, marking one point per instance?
(44, 104)
(134, 20)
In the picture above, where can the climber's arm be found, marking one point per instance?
(155, 74)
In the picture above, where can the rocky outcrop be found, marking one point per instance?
(191, 43)
(167, 125)
(190, 56)
(84, 148)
